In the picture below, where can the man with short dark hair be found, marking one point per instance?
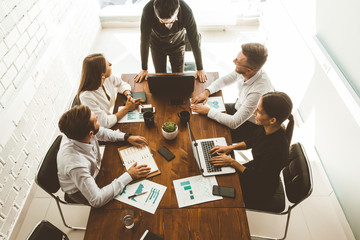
(79, 158)
(163, 25)
(252, 82)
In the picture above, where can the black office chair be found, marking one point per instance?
(45, 231)
(47, 178)
(298, 185)
(75, 102)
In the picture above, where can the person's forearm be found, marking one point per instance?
(240, 146)
(120, 114)
(239, 167)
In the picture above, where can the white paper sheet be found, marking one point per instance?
(149, 201)
(134, 115)
(194, 190)
(213, 103)
(142, 156)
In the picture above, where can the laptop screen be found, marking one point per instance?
(194, 145)
(179, 83)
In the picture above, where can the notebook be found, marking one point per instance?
(177, 83)
(201, 150)
(130, 155)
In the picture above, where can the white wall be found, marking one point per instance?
(42, 44)
(330, 118)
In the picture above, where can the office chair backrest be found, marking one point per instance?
(45, 231)
(75, 102)
(297, 175)
(46, 176)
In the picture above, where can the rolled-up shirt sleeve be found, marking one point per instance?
(242, 114)
(98, 197)
(109, 135)
(220, 83)
(120, 84)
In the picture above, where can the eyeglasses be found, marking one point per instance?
(240, 65)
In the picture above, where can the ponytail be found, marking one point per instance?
(290, 128)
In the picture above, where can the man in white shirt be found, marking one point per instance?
(79, 158)
(252, 83)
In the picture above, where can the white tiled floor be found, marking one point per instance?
(316, 218)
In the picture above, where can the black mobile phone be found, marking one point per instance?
(165, 152)
(224, 191)
(177, 101)
(149, 109)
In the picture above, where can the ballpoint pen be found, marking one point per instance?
(135, 195)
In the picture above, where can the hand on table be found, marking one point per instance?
(201, 97)
(138, 171)
(201, 109)
(201, 75)
(143, 74)
(137, 141)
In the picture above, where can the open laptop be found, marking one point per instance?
(177, 83)
(201, 150)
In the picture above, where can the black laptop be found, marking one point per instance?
(179, 83)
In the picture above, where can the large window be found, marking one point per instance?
(207, 12)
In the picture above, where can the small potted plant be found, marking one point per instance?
(169, 130)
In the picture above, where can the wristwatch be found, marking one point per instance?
(127, 135)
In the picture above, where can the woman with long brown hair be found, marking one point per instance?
(259, 177)
(98, 90)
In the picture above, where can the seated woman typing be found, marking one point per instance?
(259, 178)
(98, 91)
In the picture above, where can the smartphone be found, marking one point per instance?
(223, 191)
(165, 152)
(147, 109)
(177, 101)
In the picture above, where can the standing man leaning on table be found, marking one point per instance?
(79, 158)
(252, 83)
(163, 25)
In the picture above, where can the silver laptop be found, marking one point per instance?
(201, 150)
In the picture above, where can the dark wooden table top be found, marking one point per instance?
(222, 219)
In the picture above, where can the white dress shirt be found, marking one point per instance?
(79, 163)
(98, 102)
(250, 93)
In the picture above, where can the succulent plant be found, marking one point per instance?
(169, 127)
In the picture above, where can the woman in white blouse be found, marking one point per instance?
(98, 90)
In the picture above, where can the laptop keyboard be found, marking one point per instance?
(206, 146)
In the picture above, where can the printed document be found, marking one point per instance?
(194, 190)
(149, 201)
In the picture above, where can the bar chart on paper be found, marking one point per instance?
(194, 190)
(132, 116)
(187, 186)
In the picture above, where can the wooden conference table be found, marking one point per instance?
(221, 219)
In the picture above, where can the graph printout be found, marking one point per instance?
(134, 115)
(142, 156)
(148, 201)
(195, 190)
(214, 103)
